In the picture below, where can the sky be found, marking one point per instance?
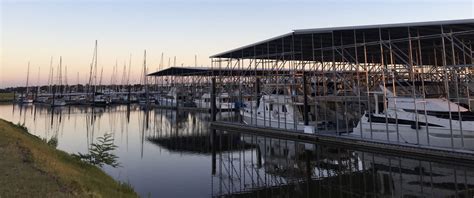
(36, 30)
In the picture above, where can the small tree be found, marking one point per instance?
(100, 153)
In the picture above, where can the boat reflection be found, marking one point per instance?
(190, 133)
(181, 146)
(285, 168)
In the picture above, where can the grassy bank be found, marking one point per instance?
(6, 97)
(31, 168)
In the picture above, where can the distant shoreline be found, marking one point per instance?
(6, 98)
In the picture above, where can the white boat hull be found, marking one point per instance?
(58, 103)
(167, 102)
(207, 105)
(281, 123)
(428, 136)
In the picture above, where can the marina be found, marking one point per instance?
(409, 84)
(380, 110)
(158, 144)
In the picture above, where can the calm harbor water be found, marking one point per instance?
(164, 153)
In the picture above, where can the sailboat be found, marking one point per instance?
(145, 98)
(25, 98)
(417, 120)
(58, 100)
(43, 99)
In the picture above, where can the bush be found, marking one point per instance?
(101, 153)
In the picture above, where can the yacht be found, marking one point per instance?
(100, 100)
(76, 100)
(170, 99)
(421, 121)
(125, 99)
(143, 100)
(25, 100)
(275, 110)
(223, 102)
(57, 102)
(41, 99)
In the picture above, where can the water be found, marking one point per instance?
(167, 154)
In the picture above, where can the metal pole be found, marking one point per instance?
(305, 107)
(446, 86)
(213, 99)
(412, 77)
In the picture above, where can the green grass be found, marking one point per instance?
(31, 168)
(6, 97)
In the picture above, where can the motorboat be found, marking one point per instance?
(223, 101)
(421, 121)
(56, 102)
(170, 99)
(25, 100)
(277, 111)
(100, 100)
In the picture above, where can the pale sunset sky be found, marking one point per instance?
(35, 30)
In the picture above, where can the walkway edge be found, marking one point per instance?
(460, 157)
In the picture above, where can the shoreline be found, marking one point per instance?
(32, 167)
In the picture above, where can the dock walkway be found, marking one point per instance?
(463, 157)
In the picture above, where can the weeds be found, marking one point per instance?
(21, 126)
(53, 142)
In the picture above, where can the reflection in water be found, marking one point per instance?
(161, 151)
(164, 153)
(284, 168)
(191, 134)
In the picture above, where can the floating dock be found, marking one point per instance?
(420, 152)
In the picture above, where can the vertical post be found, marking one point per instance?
(446, 85)
(259, 156)
(384, 69)
(309, 171)
(54, 95)
(305, 107)
(213, 119)
(257, 90)
(129, 94)
(177, 101)
(213, 149)
(413, 87)
(213, 99)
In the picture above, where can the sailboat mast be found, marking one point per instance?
(60, 83)
(65, 79)
(90, 71)
(95, 68)
(77, 80)
(51, 87)
(50, 74)
(122, 81)
(129, 67)
(161, 62)
(38, 83)
(27, 79)
(144, 75)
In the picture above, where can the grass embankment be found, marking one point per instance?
(6, 97)
(31, 168)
